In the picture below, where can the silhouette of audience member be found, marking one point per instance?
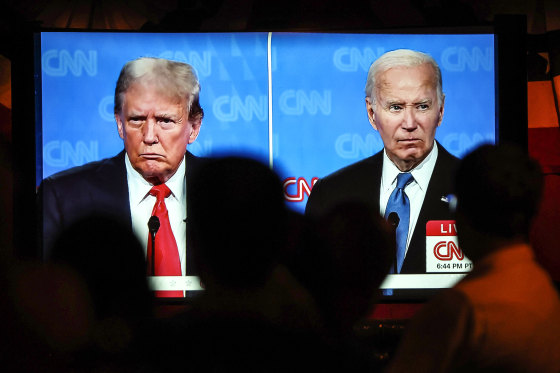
(47, 318)
(237, 232)
(238, 222)
(346, 266)
(342, 262)
(505, 314)
(44, 310)
(253, 315)
(108, 258)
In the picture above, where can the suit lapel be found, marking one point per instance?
(111, 176)
(191, 164)
(375, 183)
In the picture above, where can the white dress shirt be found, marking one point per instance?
(142, 204)
(415, 190)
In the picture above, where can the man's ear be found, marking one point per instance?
(119, 125)
(441, 110)
(370, 112)
(195, 130)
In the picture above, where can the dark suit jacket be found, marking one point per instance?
(361, 182)
(96, 187)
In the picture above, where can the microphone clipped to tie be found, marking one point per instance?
(394, 221)
(153, 226)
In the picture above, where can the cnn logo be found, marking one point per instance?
(445, 250)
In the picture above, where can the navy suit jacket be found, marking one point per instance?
(98, 187)
(361, 182)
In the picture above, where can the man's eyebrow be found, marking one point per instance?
(167, 116)
(136, 114)
(402, 103)
(393, 102)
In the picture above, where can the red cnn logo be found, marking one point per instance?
(444, 250)
(301, 186)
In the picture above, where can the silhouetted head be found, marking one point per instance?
(236, 221)
(347, 262)
(498, 191)
(107, 255)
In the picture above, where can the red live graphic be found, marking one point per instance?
(441, 228)
(296, 189)
(444, 250)
(443, 253)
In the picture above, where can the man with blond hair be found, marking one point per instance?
(158, 114)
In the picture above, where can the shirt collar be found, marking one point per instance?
(421, 172)
(139, 188)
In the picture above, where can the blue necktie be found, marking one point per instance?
(399, 203)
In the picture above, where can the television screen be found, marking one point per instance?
(293, 100)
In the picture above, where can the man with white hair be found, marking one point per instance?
(158, 114)
(409, 180)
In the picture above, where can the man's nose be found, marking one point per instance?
(409, 119)
(150, 132)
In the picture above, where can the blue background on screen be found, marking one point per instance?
(319, 121)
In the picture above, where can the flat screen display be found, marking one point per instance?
(292, 100)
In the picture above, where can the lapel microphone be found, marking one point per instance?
(153, 226)
(394, 221)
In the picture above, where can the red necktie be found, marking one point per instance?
(167, 261)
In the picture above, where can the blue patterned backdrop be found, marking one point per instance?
(319, 122)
